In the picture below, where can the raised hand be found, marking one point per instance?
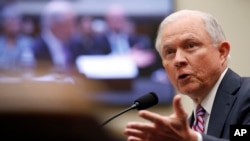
(162, 128)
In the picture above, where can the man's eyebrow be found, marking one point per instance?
(166, 46)
(185, 39)
(189, 37)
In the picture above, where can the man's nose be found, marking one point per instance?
(180, 58)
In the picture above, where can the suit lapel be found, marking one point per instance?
(191, 119)
(223, 103)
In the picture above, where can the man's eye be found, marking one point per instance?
(191, 45)
(169, 51)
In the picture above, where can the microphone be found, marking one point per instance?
(143, 102)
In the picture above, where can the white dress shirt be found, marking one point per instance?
(207, 103)
(56, 49)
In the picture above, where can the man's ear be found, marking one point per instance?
(224, 50)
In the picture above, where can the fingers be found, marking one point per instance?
(178, 107)
(134, 133)
(179, 114)
(132, 138)
(160, 127)
(153, 117)
(138, 131)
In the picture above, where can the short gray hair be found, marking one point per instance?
(213, 28)
(55, 11)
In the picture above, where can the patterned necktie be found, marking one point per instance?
(199, 120)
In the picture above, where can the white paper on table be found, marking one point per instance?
(107, 66)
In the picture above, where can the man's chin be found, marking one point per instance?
(188, 90)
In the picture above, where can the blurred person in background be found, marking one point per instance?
(28, 26)
(88, 37)
(121, 38)
(15, 48)
(99, 26)
(54, 48)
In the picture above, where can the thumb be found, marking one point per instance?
(178, 107)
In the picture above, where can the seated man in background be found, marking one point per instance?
(87, 38)
(54, 49)
(120, 38)
(15, 48)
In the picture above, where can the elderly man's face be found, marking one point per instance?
(65, 29)
(189, 57)
(12, 25)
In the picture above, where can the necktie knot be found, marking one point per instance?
(199, 120)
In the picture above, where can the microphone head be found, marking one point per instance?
(146, 101)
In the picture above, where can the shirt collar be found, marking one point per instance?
(207, 103)
(48, 36)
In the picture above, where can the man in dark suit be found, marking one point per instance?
(195, 53)
(120, 37)
(89, 40)
(55, 46)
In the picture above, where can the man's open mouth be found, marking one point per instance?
(183, 76)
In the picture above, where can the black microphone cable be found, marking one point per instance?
(141, 103)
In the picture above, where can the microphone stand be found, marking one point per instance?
(134, 106)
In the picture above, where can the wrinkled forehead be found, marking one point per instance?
(183, 30)
(186, 24)
(185, 21)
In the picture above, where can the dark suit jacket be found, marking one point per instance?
(141, 42)
(231, 106)
(92, 44)
(43, 55)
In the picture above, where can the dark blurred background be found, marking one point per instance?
(59, 61)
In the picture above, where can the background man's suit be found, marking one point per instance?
(43, 55)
